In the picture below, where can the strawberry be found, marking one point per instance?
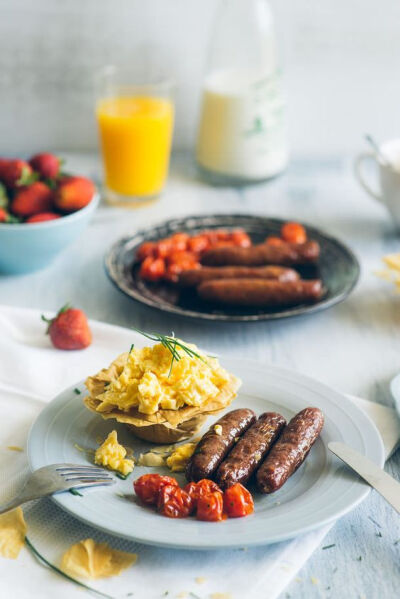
(15, 173)
(32, 199)
(46, 164)
(42, 217)
(69, 329)
(3, 216)
(73, 193)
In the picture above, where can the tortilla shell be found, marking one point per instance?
(164, 426)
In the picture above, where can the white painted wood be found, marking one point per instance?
(354, 347)
(340, 63)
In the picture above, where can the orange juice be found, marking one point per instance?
(135, 134)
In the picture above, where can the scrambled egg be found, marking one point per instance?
(112, 455)
(391, 272)
(180, 457)
(12, 533)
(148, 383)
(88, 559)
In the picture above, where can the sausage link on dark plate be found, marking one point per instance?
(250, 450)
(195, 276)
(285, 254)
(290, 450)
(216, 443)
(260, 293)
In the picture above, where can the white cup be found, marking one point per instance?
(388, 192)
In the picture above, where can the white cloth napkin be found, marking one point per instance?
(32, 373)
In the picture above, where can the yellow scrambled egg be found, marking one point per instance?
(88, 559)
(180, 457)
(148, 382)
(112, 455)
(12, 533)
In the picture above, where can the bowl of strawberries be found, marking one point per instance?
(42, 210)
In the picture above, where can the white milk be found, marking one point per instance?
(241, 132)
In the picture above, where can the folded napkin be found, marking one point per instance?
(31, 374)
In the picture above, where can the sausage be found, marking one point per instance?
(260, 292)
(290, 450)
(213, 447)
(285, 254)
(250, 450)
(193, 277)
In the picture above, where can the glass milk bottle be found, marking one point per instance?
(241, 135)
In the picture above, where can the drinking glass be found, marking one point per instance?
(135, 116)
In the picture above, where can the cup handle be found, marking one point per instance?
(359, 173)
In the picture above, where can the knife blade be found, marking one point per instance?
(380, 480)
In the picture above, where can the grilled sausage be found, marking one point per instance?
(285, 254)
(260, 293)
(213, 446)
(250, 450)
(290, 450)
(193, 277)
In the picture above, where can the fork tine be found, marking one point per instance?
(74, 468)
(87, 478)
(93, 484)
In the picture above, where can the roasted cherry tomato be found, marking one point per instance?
(174, 502)
(148, 486)
(241, 239)
(163, 247)
(274, 240)
(147, 248)
(179, 241)
(198, 244)
(201, 488)
(210, 507)
(152, 269)
(238, 501)
(294, 233)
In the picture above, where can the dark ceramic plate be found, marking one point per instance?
(338, 268)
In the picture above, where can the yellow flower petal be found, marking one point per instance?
(12, 533)
(88, 559)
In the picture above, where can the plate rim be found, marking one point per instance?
(210, 317)
(248, 365)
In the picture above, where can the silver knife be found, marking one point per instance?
(380, 480)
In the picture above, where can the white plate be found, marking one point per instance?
(321, 491)
(395, 391)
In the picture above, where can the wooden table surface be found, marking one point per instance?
(354, 347)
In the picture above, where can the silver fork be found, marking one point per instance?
(55, 478)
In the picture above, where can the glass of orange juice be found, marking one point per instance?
(135, 121)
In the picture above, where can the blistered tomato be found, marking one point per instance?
(163, 247)
(210, 507)
(148, 487)
(274, 240)
(174, 502)
(238, 501)
(152, 269)
(241, 239)
(294, 233)
(146, 249)
(201, 488)
(198, 244)
(179, 241)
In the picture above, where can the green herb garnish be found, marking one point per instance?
(378, 534)
(75, 492)
(171, 343)
(76, 390)
(359, 558)
(329, 546)
(44, 561)
(122, 476)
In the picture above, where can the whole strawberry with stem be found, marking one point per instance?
(46, 164)
(16, 172)
(69, 329)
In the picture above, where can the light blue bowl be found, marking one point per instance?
(27, 247)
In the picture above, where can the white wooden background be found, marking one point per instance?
(340, 62)
(354, 347)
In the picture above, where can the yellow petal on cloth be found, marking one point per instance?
(88, 559)
(12, 533)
